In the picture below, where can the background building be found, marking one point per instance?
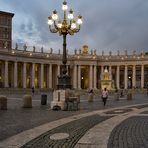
(5, 30)
(21, 68)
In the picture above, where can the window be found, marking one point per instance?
(3, 20)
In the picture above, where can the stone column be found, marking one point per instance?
(50, 76)
(125, 77)
(142, 76)
(79, 76)
(90, 77)
(24, 75)
(134, 77)
(42, 76)
(110, 72)
(75, 77)
(118, 77)
(15, 74)
(6, 74)
(33, 75)
(95, 76)
(102, 70)
(58, 72)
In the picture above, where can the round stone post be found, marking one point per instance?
(3, 103)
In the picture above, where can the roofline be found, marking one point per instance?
(8, 13)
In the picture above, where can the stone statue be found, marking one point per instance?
(110, 53)
(85, 49)
(80, 51)
(102, 53)
(16, 46)
(75, 51)
(25, 47)
(51, 50)
(33, 48)
(142, 53)
(42, 50)
(94, 51)
(125, 52)
(59, 52)
(134, 52)
(91, 52)
(118, 53)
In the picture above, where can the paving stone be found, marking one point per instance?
(25, 119)
(76, 129)
(131, 133)
(118, 111)
(145, 112)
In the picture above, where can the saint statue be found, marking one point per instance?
(33, 48)
(25, 47)
(85, 49)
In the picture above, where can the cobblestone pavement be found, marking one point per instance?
(146, 112)
(75, 129)
(131, 133)
(17, 119)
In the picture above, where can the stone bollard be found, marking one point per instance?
(117, 96)
(90, 97)
(129, 96)
(27, 101)
(3, 103)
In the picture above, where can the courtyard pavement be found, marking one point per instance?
(120, 124)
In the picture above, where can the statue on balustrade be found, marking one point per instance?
(25, 47)
(85, 49)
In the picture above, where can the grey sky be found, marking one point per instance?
(108, 24)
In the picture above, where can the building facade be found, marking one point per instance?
(20, 68)
(5, 30)
(25, 69)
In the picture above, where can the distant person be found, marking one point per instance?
(91, 91)
(104, 96)
(90, 96)
(33, 91)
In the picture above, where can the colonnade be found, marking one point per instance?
(126, 77)
(94, 75)
(24, 75)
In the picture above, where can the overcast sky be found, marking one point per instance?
(107, 24)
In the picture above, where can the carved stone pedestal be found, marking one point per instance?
(59, 98)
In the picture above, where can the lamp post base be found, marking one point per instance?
(64, 82)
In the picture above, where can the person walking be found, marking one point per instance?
(90, 96)
(104, 96)
(33, 91)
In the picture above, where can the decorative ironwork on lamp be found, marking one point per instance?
(64, 27)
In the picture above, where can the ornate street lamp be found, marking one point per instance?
(64, 28)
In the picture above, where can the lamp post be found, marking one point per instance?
(64, 27)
